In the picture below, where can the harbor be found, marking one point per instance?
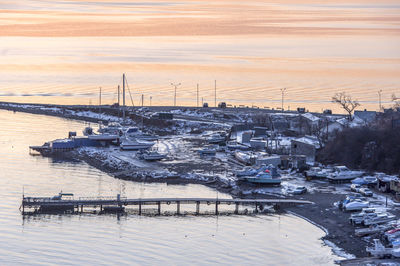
(251, 163)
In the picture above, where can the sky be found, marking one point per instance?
(64, 51)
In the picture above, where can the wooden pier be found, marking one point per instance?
(43, 204)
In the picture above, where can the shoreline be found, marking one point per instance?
(321, 214)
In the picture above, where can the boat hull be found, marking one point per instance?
(262, 181)
(135, 147)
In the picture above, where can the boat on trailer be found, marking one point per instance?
(136, 144)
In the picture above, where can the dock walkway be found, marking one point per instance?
(45, 203)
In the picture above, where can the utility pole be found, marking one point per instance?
(197, 94)
(215, 93)
(150, 99)
(123, 89)
(100, 102)
(175, 85)
(283, 92)
(380, 102)
(118, 95)
(142, 100)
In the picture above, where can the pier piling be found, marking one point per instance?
(197, 207)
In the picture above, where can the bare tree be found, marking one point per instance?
(346, 102)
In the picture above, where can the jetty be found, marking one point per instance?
(111, 204)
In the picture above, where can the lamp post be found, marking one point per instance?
(176, 86)
(380, 102)
(283, 93)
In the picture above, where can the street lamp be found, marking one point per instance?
(175, 85)
(380, 102)
(283, 92)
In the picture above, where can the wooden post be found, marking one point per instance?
(197, 207)
(216, 207)
(178, 207)
(140, 208)
(82, 208)
(159, 207)
(256, 210)
(237, 208)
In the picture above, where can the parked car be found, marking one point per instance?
(366, 192)
(355, 187)
(299, 190)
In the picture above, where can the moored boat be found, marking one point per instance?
(153, 156)
(264, 177)
(136, 144)
(343, 174)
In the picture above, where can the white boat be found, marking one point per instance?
(134, 132)
(379, 250)
(371, 230)
(245, 158)
(356, 205)
(248, 171)
(343, 174)
(153, 156)
(208, 151)
(103, 137)
(136, 144)
(380, 218)
(262, 178)
(111, 128)
(317, 172)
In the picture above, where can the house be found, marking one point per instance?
(333, 127)
(305, 146)
(304, 124)
(356, 122)
(366, 116)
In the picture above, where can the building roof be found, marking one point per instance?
(367, 116)
(310, 117)
(310, 140)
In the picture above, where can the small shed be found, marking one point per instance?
(260, 131)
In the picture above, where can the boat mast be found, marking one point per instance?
(100, 101)
(123, 94)
(118, 96)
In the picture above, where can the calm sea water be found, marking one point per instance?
(90, 239)
(63, 52)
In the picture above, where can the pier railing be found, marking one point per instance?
(106, 203)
